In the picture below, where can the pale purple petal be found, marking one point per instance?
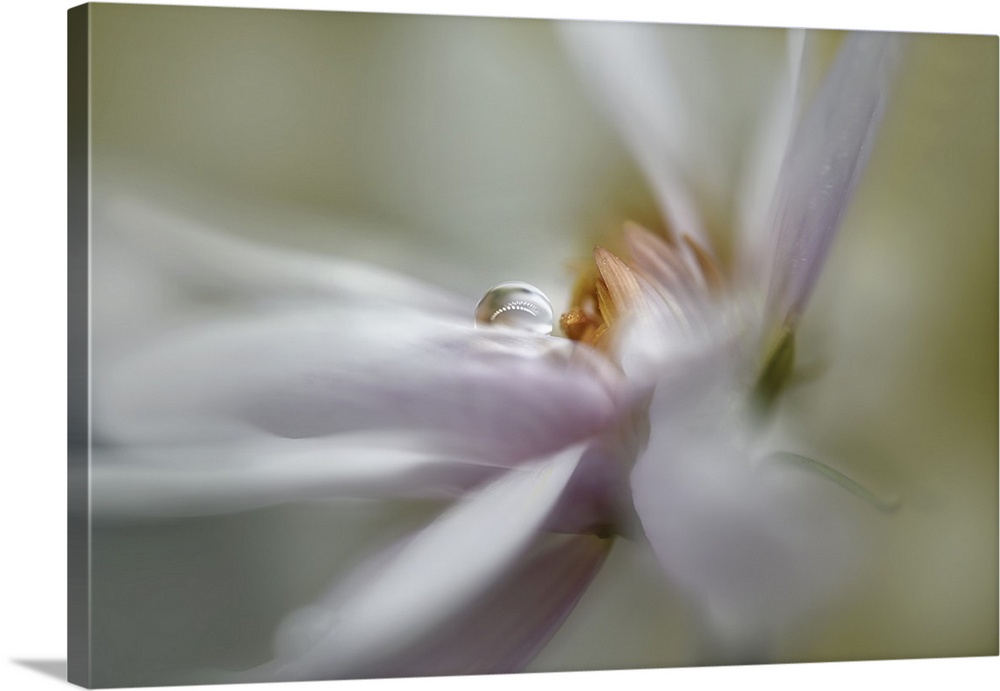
(504, 629)
(493, 394)
(410, 605)
(597, 500)
(190, 479)
(756, 545)
(756, 189)
(825, 158)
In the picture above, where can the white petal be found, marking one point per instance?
(489, 393)
(190, 253)
(825, 158)
(670, 91)
(633, 79)
(186, 479)
(413, 594)
(757, 546)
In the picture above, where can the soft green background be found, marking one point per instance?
(467, 153)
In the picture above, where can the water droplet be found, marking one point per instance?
(515, 305)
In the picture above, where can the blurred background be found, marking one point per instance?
(467, 152)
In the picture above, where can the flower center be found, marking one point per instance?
(585, 321)
(675, 278)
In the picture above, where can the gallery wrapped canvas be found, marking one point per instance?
(410, 345)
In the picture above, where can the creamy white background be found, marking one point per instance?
(32, 608)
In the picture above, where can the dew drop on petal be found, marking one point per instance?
(515, 305)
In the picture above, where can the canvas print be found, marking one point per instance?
(409, 345)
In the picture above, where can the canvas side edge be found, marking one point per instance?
(78, 336)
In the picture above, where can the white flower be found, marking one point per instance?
(340, 379)
(741, 527)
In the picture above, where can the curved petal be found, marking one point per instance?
(669, 90)
(825, 158)
(757, 546)
(188, 480)
(493, 394)
(398, 614)
(630, 74)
